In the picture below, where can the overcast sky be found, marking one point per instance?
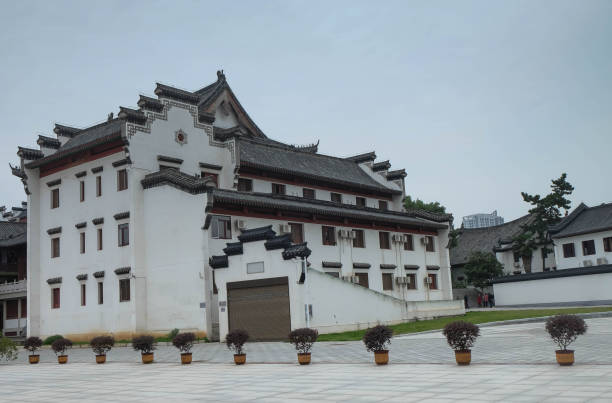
(478, 100)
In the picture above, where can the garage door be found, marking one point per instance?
(261, 307)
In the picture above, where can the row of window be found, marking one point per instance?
(588, 247)
(387, 280)
(124, 293)
(123, 238)
(122, 184)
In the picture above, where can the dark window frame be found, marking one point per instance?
(588, 247)
(335, 197)
(219, 231)
(55, 298)
(383, 205)
(431, 244)
(100, 238)
(359, 240)
(412, 284)
(122, 180)
(308, 193)
(410, 244)
(100, 292)
(569, 250)
(387, 281)
(328, 235)
(434, 282)
(384, 240)
(361, 201)
(81, 191)
(55, 247)
(297, 236)
(55, 200)
(82, 242)
(83, 294)
(98, 186)
(245, 185)
(279, 189)
(123, 234)
(124, 290)
(607, 244)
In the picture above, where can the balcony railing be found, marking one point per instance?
(14, 286)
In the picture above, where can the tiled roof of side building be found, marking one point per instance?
(584, 220)
(12, 233)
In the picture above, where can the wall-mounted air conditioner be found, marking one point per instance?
(427, 280)
(424, 241)
(602, 260)
(352, 234)
(343, 233)
(399, 238)
(240, 224)
(402, 280)
(587, 263)
(351, 279)
(284, 228)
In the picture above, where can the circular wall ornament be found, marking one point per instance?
(180, 137)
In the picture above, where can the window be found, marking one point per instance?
(409, 244)
(256, 267)
(12, 309)
(24, 308)
(55, 247)
(329, 235)
(82, 191)
(124, 234)
(83, 298)
(383, 205)
(215, 290)
(55, 198)
(122, 182)
(359, 240)
(336, 198)
(308, 193)
(387, 280)
(360, 201)
(383, 238)
(607, 244)
(278, 189)
(99, 238)
(98, 186)
(124, 289)
(55, 298)
(245, 185)
(333, 273)
(362, 279)
(100, 293)
(412, 284)
(214, 177)
(297, 233)
(430, 246)
(82, 240)
(433, 284)
(221, 227)
(588, 247)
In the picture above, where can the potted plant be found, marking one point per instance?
(184, 342)
(461, 336)
(59, 346)
(32, 344)
(235, 341)
(144, 344)
(377, 340)
(564, 329)
(303, 339)
(102, 345)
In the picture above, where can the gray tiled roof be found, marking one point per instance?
(12, 233)
(584, 220)
(93, 133)
(483, 239)
(177, 179)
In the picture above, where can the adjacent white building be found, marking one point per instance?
(153, 220)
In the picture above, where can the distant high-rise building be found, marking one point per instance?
(482, 220)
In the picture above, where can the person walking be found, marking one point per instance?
(479, 300)
(485, 300)
(492, 300)
(465, 302)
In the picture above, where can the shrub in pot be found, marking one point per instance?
(564, 329)
(184, 342)
(32, 344)
(102, 345)
(461, 336)
(60, 346)
(377, 340)
(8, 349)
(303, 339)
(144, 344)
(235, 341)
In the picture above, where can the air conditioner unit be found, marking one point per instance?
(427, 280)
(425, 240)
(351, 279)
(587, 263)
(401, 280)
(397, 238)
(352, 234)
(240, 224)
(517, 264)
(343, 233)
(405, 238)
(602, 260)
(284, 228)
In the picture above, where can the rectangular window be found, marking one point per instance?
(124, 289)
(98, 186)
(607, 244)
(360, 201)
(99, 238)
(430, 247)
(409, 244)
(297, 233)
(336, 198)
(278, 189)
(55, 298)
(55, 247)
(24, 308)
(412, 282)
(215, 290)
(124, 234)
(83, 296)
(245, 185)
(221, 227)
(433, 284)
(214, 177)
(256, 267)
(12, 307)
(100, 293)
(82, 191)
(308, 193)
(82, 241)
(362, 279)
(55, 198)
(329, 235)
(122, 180)
(588, 247)
(387, 280)
(359, 240)
(383, 205)
(383, 238)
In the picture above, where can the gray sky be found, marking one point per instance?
(478, 100)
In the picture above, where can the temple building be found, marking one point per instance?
(183, 214)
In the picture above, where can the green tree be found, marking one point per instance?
(481, 268)
(418, 204)
(8, 349)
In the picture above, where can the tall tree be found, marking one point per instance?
(481, 268)
(432, 207)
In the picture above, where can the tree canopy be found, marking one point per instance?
(432, 207)
(481, 268)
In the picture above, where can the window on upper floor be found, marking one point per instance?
(412, 281)
(297, 232)
(359, 240)
(433, 281)
(99, 232)
(308, 193)
(221, 227)
(122, 180)
(360, 201)
(124, 289)
(362, 279)
(100, 292)
(588, 247)
(55, 298)
(336, 198)
(278, 189)
(214, 177)
(123, 231)
(98, 186)
(82, 191)
(409, 244)
(328, 235)
(387, 281)
(245, 185)
(82, 241)
(55, 198)
(55, 247)
(431, 244)
(83, 295)
(383, 240)
(383, 205)
(607, 242)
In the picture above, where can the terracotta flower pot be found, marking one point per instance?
(304, 358)
(185, 358)
(565, 357)
(62, 359)
(239, 359)
(34, 359)
(100, 359)
(147, 358)
(463, 357)
(381, 357)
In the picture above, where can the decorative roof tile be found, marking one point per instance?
(335, 265)
(132, 115)
(98, 221)
(54, 230)
(48, 142)
(388, 266)
(177, 179)
(381, 166)
(361, 265)
(122, 216)
(122, 270)
(257, 234)
(174, 93)
(172, 160)
(411, 267)
(54, 182)
(95, 170)
(233, 248)
(81, 225)
(80, 174)
(298, 250)
(122, 162)
(12, 233)
(81, 277)
(433, 267)
(361, 158)
(218, 262)
(54, 280)
(99, 274)
(29, 153)
(278, 242)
